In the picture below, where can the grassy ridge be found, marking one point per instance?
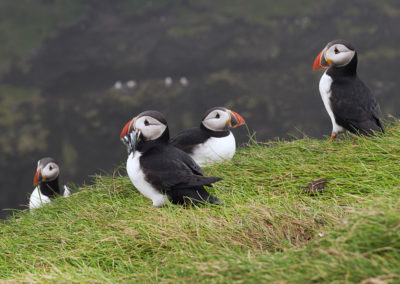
(268, 228)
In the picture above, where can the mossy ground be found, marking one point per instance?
(268, 228)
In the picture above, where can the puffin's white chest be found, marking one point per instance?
(326, 93)
(37, 199)
(215, 150)
(137, 177)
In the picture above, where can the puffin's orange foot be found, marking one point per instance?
(333, 136)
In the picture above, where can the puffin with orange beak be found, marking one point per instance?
(348, 101)
(46, 183)
(160, 171)
(212, 142)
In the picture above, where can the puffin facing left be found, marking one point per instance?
(46, 182)
(159, 170)
(348, 101)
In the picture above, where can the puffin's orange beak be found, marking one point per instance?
(237, 119)
(125, 130)
(317, 62)
(37, 178)
(320, 62)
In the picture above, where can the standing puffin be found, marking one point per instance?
(348, 101)
(212, 142)
(46, 183)
(159, 170)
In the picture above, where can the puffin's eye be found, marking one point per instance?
(217, 116)
(50, 168)
(146, 123)
(336, 51)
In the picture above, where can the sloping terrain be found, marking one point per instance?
(272, 226)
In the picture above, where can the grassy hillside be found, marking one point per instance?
(270, 228)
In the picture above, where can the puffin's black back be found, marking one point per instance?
(174, 172)
(168, 167)
(353, 104)
(188, 139)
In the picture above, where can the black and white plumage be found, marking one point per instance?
(348, 101)
(46, 183)
(159, 170)
(212, 142)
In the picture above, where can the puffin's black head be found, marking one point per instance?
(337, 53)
(220, 118)
(147, 126)
(47, 170)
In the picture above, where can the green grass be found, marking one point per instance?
(267, 230)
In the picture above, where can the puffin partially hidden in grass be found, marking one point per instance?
(212, 142)
(159, 170)
(46, 183)
(348, 101)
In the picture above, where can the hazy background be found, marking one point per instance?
(60, 61)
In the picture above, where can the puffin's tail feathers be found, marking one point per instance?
(192, 196)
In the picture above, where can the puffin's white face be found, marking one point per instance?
(150, 127)
(47, 170)
(338, 55)
(50, 172)
(217, 120)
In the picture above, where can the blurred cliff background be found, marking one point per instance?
(72, 72)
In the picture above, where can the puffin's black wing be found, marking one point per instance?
(354, 106)
(187, 139)
(167, 167)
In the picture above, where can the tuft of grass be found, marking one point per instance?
(269, 229)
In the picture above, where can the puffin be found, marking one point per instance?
(212, 142)
(159, 170)
(46, 183)
(348, 101)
